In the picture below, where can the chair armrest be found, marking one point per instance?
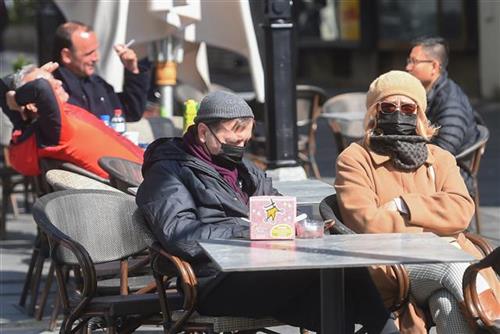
(403, 285)
(84, 263)
(165, 264)
(479, 242)
(473, 304)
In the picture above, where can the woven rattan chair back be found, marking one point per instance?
(330, 212)
(346, 103)
(470, 160)
(123, 173)
(60, 179)
(107, 224)
(309, 102)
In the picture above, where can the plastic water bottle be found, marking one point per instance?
(105, 119)
(190, 111)
(118, 122)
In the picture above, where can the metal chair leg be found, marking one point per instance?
(35, 283)
(6, 184)
(29, 274)
(45, 292)
(55, 313)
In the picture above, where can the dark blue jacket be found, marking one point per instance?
(96, 95)
(449, 108)
(184, 199)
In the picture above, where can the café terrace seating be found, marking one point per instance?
(469, 159)
(330, 212)
(86, 228)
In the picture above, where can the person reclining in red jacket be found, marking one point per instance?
(52, 128)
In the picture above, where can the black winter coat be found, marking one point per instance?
(185, 200)
(449, 107)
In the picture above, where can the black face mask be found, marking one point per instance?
(230, 156)
(397, 123)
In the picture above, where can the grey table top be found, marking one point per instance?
(333, 251)
(307, 191)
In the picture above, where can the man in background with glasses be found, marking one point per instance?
(448, 106)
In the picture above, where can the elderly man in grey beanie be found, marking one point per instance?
(197, 187)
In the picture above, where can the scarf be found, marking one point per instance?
(406, 152)
(196, 149)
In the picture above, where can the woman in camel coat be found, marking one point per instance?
(394, 181)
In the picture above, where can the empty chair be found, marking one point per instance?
(309, 102)
(469, 160)
(123, 173)
(9, 178)
(88, 227)
(58, 180)
(345, 114)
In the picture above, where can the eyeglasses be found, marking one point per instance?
(414, 61)
(405, 108)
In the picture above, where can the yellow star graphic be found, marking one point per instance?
(271, 211)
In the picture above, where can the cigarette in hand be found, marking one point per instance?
(129, 44)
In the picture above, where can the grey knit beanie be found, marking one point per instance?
(222, 106)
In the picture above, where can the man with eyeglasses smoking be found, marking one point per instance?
(448, 106)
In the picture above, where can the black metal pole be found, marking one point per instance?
(281, 116)
(48, 18)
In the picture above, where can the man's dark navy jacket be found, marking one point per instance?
(96, 95)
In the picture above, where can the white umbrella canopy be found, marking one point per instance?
(226, 24)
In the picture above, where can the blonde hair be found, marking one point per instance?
(424, 127)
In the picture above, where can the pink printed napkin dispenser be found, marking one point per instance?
(272, 217)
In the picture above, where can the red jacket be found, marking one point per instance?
(73, 135)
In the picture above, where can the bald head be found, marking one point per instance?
(76, 48)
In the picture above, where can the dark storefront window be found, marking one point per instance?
(328, 21)
(401, 21)
(386, 24)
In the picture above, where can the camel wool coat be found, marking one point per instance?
(434, 197)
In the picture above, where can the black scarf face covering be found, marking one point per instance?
(396, 137)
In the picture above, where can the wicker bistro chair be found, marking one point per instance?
(40, 247)
(123, 173)
(59, 179)
(108, 227)
(345, 113)
(469, 159)
(65, 180)
(330, 212)
(485, 311)
(187, 319)
(9, 178)
(309, 102)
